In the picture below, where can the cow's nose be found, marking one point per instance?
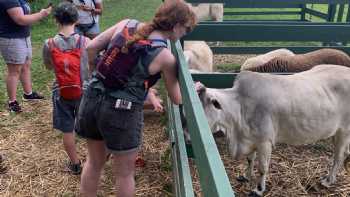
(219, 133)
(219, 130)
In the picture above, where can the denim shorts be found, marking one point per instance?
(64, 112)
(87, 29)
(16, 50)
(99, 119)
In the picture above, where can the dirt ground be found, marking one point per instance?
(230, 59)
(293, 171)
(35, 160)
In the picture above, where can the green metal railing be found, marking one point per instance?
(213, 178)
(271, 32)
(212, 175)
(181, 172)
(332, 33)
(295, 8)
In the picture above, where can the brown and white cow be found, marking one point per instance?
(262, 109)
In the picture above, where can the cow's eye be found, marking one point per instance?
(216, 104)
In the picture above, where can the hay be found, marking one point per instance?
(293, 171)
(35, 159)
(35, 162)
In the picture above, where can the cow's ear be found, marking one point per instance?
(216, 103)
(200, 88)
(187, 57)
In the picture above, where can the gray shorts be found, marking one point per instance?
(16, 50)
(87, 29)
(98, 119)
(64, 113)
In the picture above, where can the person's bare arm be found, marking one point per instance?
(98, 9)
(95, 11)
(169, 71)
(153, 99)
(20, 18)
(101, 42)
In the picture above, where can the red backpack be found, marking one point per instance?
(67, 69)
(114, 67)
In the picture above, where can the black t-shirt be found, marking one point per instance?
(8, 27)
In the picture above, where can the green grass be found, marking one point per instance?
(318, 7)
(114, 10)
(228, 67)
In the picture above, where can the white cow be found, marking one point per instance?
(263, 109)
(209, 11)
(262, 59)
(212, 11)
(198, 55)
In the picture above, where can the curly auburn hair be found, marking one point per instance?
(169, 13)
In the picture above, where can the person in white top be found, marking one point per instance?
(88, 21)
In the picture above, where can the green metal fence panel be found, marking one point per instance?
(262, 22)
(340, 13)
(213, 178)
(316, 13)
(348, 14)
(303, 13)
(336, 32)
(260, 3)
(265, 49)
(215, 80)
(332, 8)
(181, 171)
(264, 13)
(275, 5)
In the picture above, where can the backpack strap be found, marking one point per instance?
(51, 44)
(93, 1)
(60, 34)
(93, 18)
(80, 42)
(22, 4)
(158, 43)
(132, 26)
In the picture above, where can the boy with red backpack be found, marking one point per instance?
(65, 54)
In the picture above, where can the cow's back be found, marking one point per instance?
(296, 106)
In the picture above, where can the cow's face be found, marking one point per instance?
(213, 109)
(219, 108)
